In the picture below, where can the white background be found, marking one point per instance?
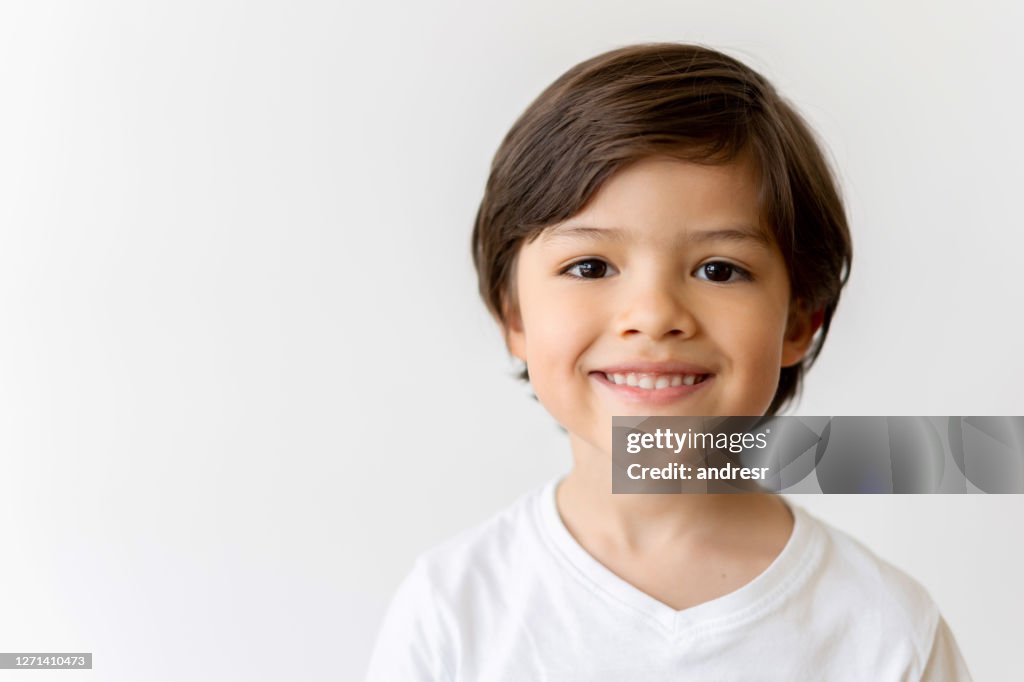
(235, 254)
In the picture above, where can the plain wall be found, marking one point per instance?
(244, 373)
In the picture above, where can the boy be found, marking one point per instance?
(660, 235)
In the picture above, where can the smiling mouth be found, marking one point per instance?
(653, 381)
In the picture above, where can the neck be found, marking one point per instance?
(637, 521)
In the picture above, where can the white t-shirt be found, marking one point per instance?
(517, 598)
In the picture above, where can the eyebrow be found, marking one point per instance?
(741, 233)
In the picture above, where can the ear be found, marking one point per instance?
(800, 329)
(515, 335)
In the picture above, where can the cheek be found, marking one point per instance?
(751, 338)
(558, 336)
(556, 342)
(557, 328)
(749, 328)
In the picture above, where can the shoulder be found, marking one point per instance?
(879, 596)
(867, 572)
(459, 583)
(498, 547)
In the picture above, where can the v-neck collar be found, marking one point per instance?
(790, 568)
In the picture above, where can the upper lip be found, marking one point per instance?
(654, 368)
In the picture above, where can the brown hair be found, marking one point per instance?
(687, 101)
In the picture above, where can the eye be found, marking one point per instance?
(591, 268)
(721, 271)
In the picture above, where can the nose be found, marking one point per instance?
(656, 307)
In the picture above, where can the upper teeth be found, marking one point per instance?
(654, 381)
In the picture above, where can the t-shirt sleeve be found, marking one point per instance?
(945, 664)
(411, 643)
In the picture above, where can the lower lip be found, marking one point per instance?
(648, 396)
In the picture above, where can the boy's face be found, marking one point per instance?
(672, 301)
